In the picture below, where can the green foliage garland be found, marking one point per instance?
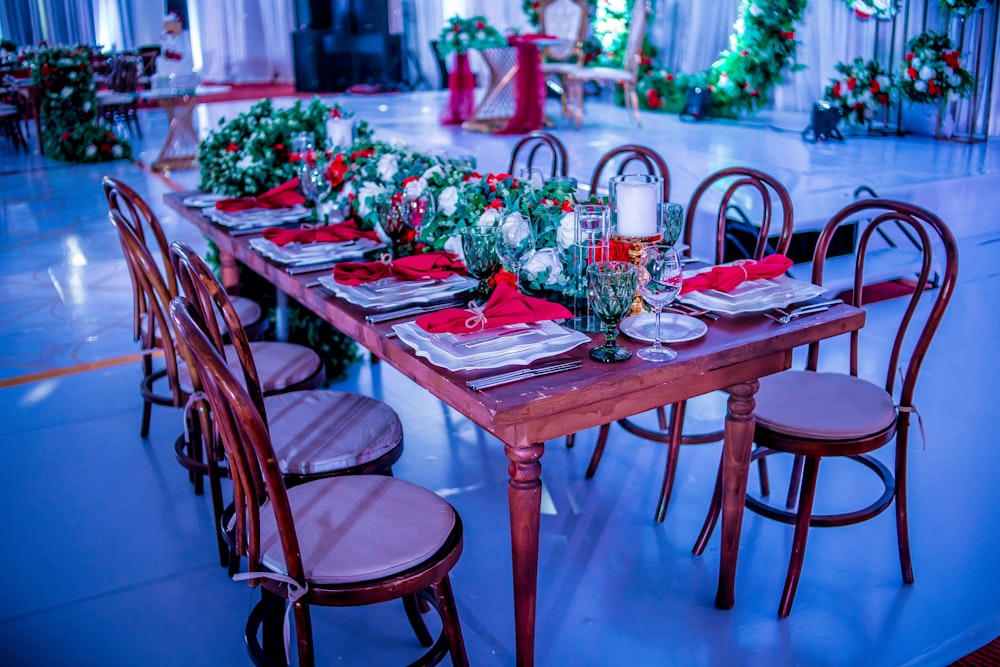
(460, 35)
(70, 127)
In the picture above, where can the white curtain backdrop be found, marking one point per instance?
(243, 41)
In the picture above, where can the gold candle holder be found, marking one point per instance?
(633, 246)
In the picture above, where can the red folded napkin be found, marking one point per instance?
(340, 233)
(730, 276)
(506, 306)
(283, 196)
(427, 266)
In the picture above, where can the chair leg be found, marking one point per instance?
(412, 607)
(673, 451)
(449, 619)
(793, 483)
(147, 412)
(632, 100)
(303, 633)
(595, 458)
(570, 440)
(661, 416)
(801, 534)
(272, 623)
(765, 481)
(902, 522)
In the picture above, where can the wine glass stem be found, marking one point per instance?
(609, 335)
(656, 335)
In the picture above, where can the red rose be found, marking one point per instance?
(908, 57)
(410, 179)
(836, 89)
(232, 148)
(335, 172)
(105, 148)
(883, 98)
(864, 16)
(335, 113)
(645, 60)
(65, 136)
(852, 82)
(911, 72)
(480, 25)
(495, 204)
(754, 92)
(788, 34)
(875, 88)
(278, 147)
(653, 98)
(455, 28)
(745, 52)
(933, 89)
(503, 278)
(567, 206)
(669, 77)
(951, 58)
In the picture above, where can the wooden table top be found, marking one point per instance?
(735, 349)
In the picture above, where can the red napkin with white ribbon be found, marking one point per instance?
(342, 232)
(730, 276)
(428, 266)
(285, 195)
(506, 306)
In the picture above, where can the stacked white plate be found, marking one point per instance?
(303, 254)
(753, 296)
(256, 217)
(392, 292)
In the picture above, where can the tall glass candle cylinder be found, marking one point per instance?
(635, 204)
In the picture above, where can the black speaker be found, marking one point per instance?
(823, 123)
(320, 14)
(697, 103)
(311, 76)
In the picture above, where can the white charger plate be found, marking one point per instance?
(203, 200)
(401, 293)
(753, 296)
(674, 327)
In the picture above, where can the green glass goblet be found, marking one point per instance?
(479, 249)
(672, 224)
(612, 288)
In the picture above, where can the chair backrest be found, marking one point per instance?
(938, 268)
(152, 291)
(744, 181)
(567, 20)
(207, 294)
(534, 142)
(245, 438)
(124, 76)
(647, 159)
(636, 36)
(442, 65)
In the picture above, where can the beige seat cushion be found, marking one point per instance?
(322, 431)
(359, 527)
(600, 74)
(559, 68)
(279, 365)
(823, 406)
(248, 310)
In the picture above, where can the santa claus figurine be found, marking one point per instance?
(174, 67)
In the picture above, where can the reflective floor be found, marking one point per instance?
(109, 558)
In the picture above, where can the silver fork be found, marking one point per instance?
(784, 317)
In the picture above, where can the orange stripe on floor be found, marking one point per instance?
(72, 370)
(160, 175)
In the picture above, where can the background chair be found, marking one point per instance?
(339, 541)
(531, 144)
(620, 159)
(315, 433)
(120, 104)
(773, 198)
(817, 412)
(626, 76)
(568, 20)
(134, 211)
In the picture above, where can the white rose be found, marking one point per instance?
(955, 80)
(414, 188)
(463, 38)
(71, 76)
(566, 233)
(91, 151)
(915, 63)
(347, 189)
(755, 10)
(433, 171)
(546, 259)
(454, 244)
(490, 216)
(245, 162)
(883, 83)
(926, 73)
(116, 150)
(65, 92)
(86, 107)
(367, 194)
(387, 166)
(448, 201)
(920, 86)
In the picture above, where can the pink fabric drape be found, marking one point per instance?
(462, 100)
(529, 92)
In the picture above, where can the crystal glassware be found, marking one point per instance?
(672, 223)
(314, 184)
(479, 250)
(659, 278)
(515, 243)
(533, 176)
(302, 143)
(417, 207)
(612, 287)
(590, 238)
(393, 221)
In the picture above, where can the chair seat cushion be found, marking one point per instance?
(559, 68)
(823, 406)
(601, 74)
(359, 528)
(107, 99)
(319, 431)
(280, 366)
(248, 310)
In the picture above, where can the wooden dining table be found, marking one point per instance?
(733, 354)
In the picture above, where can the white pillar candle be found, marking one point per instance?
(636, 203)
(340, 132)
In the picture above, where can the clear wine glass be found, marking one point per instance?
(515, 243)
(417, 207)
(660, 277)
(315, 185)
(612, 288)
(479, 250)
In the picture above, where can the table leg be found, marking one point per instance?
(735, 468)
(229, 272)
(180, 148)
(281, 316)
(524, 496)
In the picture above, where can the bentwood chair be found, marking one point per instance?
(741, 186)
(817, 413)
(120, 103)
(621, 159)
(315, 432)
(338, 541)
(134, 210)
(529, 146)
(568, 20)
(283, 366)
(627, 76)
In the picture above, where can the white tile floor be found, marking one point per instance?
(109, 558)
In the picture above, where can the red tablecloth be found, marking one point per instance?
(529, 92)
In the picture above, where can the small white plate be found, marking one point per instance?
(674, 327)
(203, 200)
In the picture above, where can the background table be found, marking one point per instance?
(180, 147)
(734, 353)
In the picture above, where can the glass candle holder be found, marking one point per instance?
(635, 201)
(590, 245)
(340, 132)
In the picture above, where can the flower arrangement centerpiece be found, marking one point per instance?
(961, 7)
(531, 7)
(459, 35)
(932, 70)
(868, 9)
(861, 90)
(70, 126)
